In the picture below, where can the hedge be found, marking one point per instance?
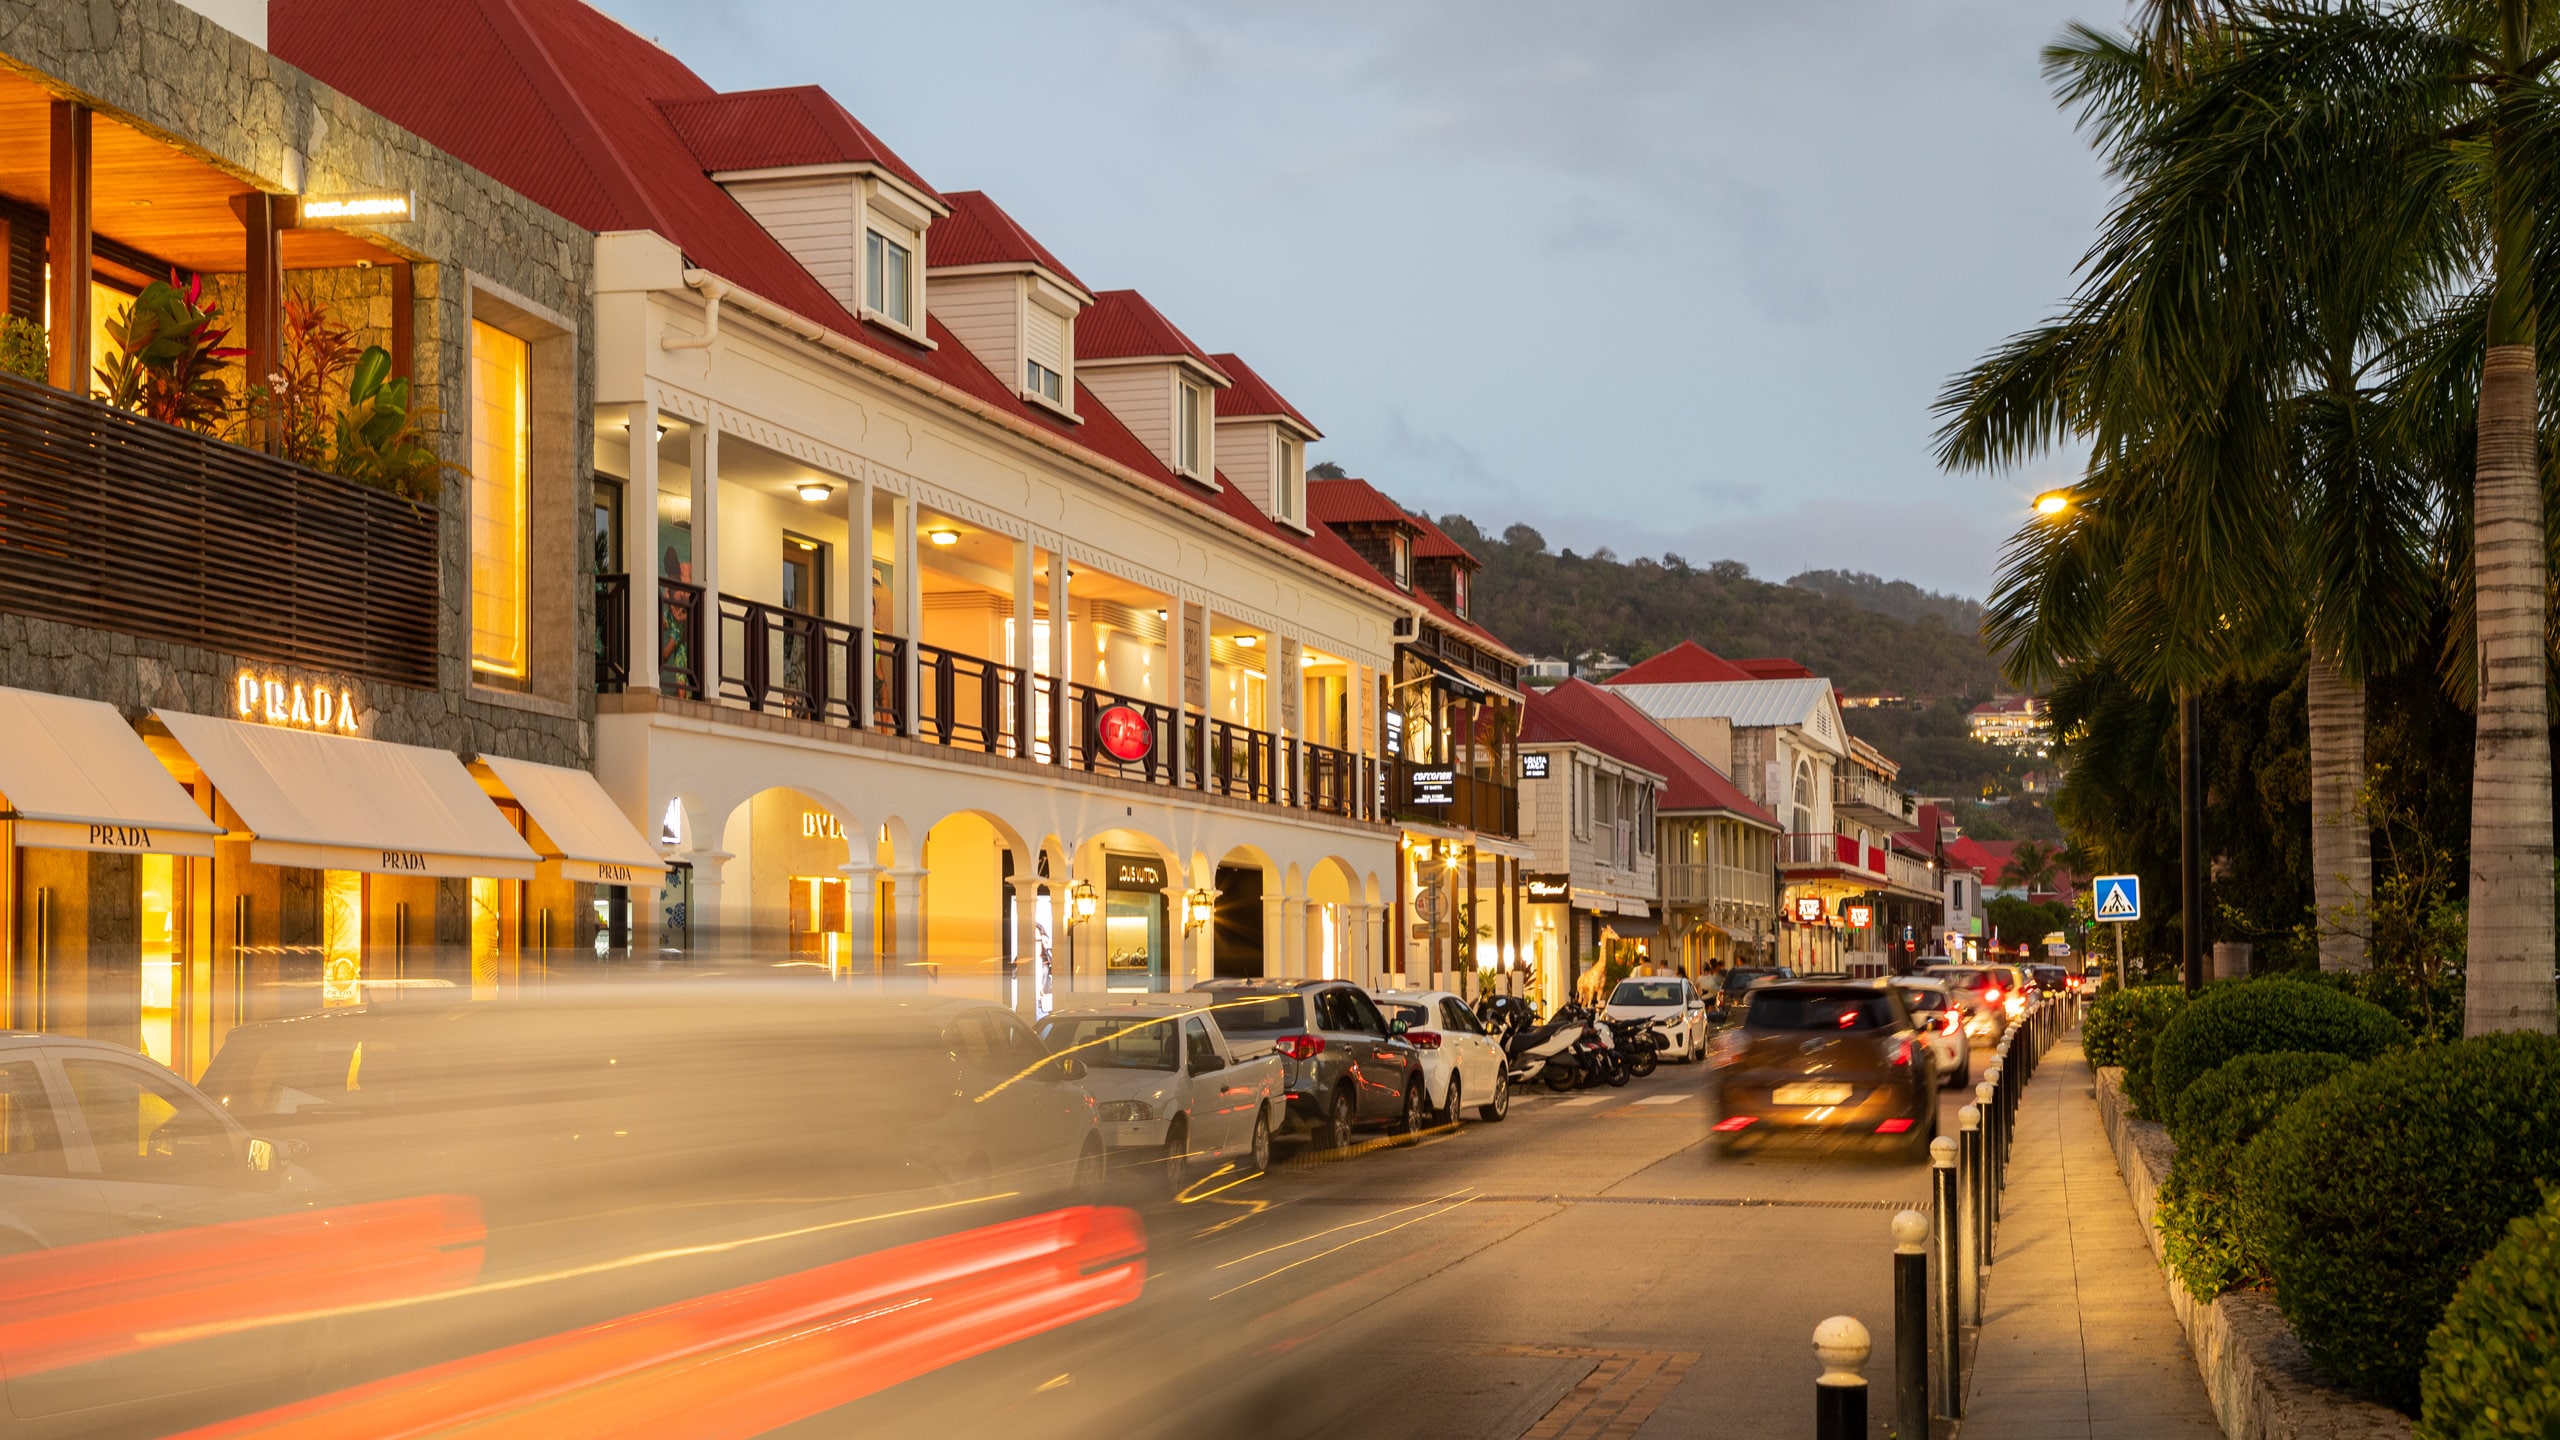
(2372, 1194)
(2216, 1119)
(2229, 1021)
(2121, 1028)
(2493, 1364)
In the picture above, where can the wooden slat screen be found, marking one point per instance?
(114, 521)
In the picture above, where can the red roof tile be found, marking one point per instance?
(1436, 544)
(1357, 502)
(1252, 397)
(979, 232)
(1122, 325)
(1685, 663)
(1578, 710)
(1773, 668)
(771, 129)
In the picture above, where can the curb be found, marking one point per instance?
(2262, 1383)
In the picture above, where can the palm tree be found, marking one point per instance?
(2402, 156)
(2032, 866)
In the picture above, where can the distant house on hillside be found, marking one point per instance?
(2013, 722)
(1543, 671)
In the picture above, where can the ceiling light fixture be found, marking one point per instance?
(943, 537)
(1247, 642)
(813, 492)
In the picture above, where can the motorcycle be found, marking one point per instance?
(1547, 1052)
(1600, 1057)
(1640, 1043)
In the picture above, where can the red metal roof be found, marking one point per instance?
(1578, 710)
(1122, 325)
(1685, 663)
(1436, 544)
(979, 232)
(770, 129)
(1357, 502)
(1252, 396)
(1775, 668)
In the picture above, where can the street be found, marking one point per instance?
(1588, 1266)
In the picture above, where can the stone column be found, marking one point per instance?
(857, 568)
(1293, 935)
(711, 924)
(1177, 690)
(1026, 635)
(910, 606)
(861, 917)
(1026, 939)
(1061, 665)
(705, 461)
(1275, 934)
(906, 893)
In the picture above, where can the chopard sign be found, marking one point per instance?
(295, 704)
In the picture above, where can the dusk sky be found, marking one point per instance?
(1660, 275)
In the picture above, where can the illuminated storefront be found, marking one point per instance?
(1133, 922)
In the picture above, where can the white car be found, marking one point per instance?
(1676, 1008)
(1934, 1004)
(1459, 1060)
(1172, 1089)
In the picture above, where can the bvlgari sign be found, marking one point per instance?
(295, 703)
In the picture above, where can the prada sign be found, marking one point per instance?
(115, 838)
(295, 704)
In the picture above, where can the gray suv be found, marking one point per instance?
(1343, 1062)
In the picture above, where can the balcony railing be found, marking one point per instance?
(774, 660)
(115, 522)
(1712, 884)
(1910, 872)
(1871, 798)
(1824, 850)
(1475, 802)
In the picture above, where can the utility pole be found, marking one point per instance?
(2190, 842)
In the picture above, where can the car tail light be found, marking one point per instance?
(1894, 1126)
(1954, 1020)
(1422, 1039)
(1992, 994)
(1902, 1053)
(1736, 1122)
(1299, 1047)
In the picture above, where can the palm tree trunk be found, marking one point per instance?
(2508, 985)
(2341, 839)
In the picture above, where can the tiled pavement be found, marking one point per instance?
(2079, 1342)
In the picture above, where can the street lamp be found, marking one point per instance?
(1084, 901)
(2053, 502)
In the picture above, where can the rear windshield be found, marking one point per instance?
(1650, 992)
(1260, 1014)
(1745, 979)
(1820, 1010)
(1962, 979)
(1115, 1042)
(1416, 1016)
(1921, 999)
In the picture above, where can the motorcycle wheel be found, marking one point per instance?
(1617, 1076)
(1558, 1078)
(1643, 1061)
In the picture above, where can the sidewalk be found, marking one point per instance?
(2079, 1342)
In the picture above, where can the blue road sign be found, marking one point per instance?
(2119, 897)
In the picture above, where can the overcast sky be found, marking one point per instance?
(1660, 275)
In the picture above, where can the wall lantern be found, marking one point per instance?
(1199, 908)
(1084, 901)
(813, 493)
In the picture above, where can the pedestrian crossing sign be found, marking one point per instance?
(2119, 897)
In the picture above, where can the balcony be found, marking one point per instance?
(1909, 872)
(1822, 852)
(1864, 796)
(1705, 885)
(781, 662)
(1448, 795)
(114, 521)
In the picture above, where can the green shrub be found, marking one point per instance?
(2120, 1029)
(2428, 1006)
(2373, 1193)
(2229, 1021)
(2216, 1119)
(2493, 1365)
(23, 351)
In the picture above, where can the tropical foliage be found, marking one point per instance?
(169, 356)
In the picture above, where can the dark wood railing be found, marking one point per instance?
(1238, 760)
(120, 523)
(782, 660)
(613, 633)
(680, 639)
(1336, 782)
(889, 684)
(1475, 802)
(967, 702)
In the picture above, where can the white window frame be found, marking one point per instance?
(896, 305)
(1189, 442)
(1044, 383)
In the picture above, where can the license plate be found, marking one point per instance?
(1812, 1094)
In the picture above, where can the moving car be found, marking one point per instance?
(1836, 1058)
(1735, 987)
(1984, 994)
(1676, 1008)
(1934, 1005)
(1344, 1065)
(1459, 1059)
(1172, 1090)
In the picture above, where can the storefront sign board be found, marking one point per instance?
(1125, 733)
(1437, 786)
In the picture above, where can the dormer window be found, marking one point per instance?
(1458, 590)
(888, 278)
(1191, 423)
(1400, 560)
(1289, 493)
(1044, 382)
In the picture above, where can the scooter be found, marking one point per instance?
(1547, 1052)
(1600, 1057)
(1639, 1042)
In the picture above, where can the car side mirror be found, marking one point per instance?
(1072, 1068)
(1397, 1027)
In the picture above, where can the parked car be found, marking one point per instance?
(1676, 1008)
(1838, 1058)
(1459, 1058)
(1345, 1066)
(1171, 1089)
(1934, 1005)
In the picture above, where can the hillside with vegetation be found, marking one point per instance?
(1870, 636)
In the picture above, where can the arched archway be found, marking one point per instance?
(1240, 938)
(968, 934)
(1132, 941)
(1333, 891)
(781, 894)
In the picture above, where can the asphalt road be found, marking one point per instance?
(1589, 1266)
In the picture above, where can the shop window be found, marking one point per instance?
(341, 938)
(501, 459)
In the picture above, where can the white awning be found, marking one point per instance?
(75, 777)
(579, 831)
(334, 802)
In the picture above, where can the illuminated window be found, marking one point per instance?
(500, 538)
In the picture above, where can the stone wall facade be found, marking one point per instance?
(171, 73)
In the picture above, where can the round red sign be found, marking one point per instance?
(1124, 733)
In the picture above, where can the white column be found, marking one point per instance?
(861, 888)
(1062, 667)
(1026, 938)
(1177, 671)
(1293, 935)
(857, 575)
(1026, 634)
(1275, 934)
(705, 461)
(640, 545)
(910, 603)
(711, 921)
(906, 888)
